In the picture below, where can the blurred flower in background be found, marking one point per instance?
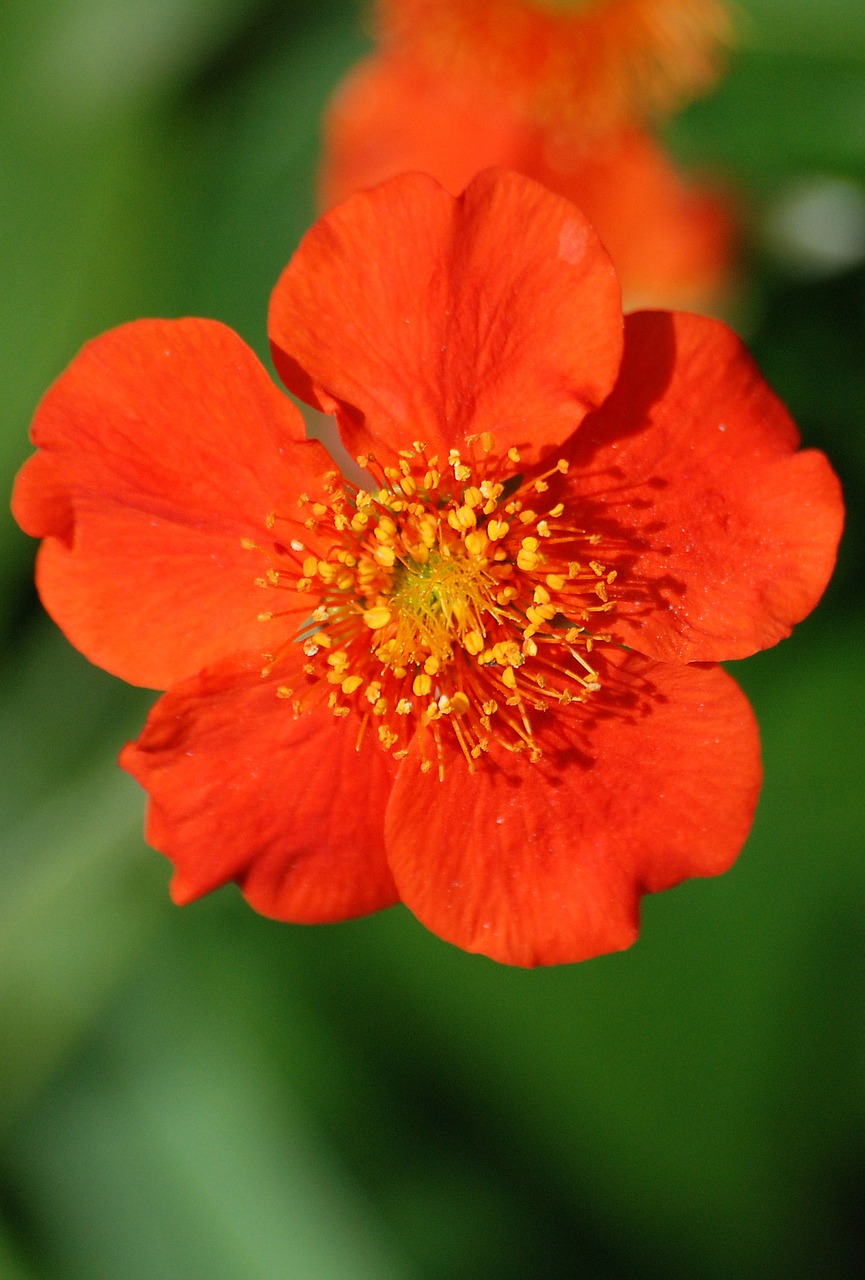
(565, 93)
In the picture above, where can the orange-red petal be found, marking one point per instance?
(417, 316)
(672, 243)
(545, 863)
(723, 532)
(240, 789)
(160, 447)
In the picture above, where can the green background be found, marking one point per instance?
(207, 1094)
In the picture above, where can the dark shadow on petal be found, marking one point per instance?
(644, 376)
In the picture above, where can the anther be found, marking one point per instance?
(377, 617)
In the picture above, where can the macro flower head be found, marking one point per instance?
(484, 681)
(562, 93)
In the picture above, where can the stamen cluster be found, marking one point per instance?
(445, 597)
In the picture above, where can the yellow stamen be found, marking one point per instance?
(448, 604)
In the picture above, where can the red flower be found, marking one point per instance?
(561, 97)
(476, 694)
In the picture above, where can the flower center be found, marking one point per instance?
(448, 600)
(436, 602)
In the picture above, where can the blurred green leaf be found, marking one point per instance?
(257, 139)
(12, 1265)
(76, 908)
(200, 1160)
(741, 127)
(833, 29)
(56, 712)
(72, 64)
